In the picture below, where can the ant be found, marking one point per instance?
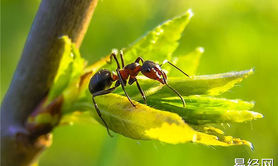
(100, 83)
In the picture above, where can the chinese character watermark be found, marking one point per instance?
(239, 162)
(267, 162)
(254, 162)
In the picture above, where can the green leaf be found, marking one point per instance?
(205, 109)
(144, 122)
(83, 117)
(187, 63)
(78, 62)
(214, 84)
(63, 75)
(220, 135)
(70, 68)
(160, 43)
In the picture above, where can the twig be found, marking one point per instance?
(35, 73)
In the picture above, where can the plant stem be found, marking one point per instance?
(35, 73)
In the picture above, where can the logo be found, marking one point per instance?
(254, 162)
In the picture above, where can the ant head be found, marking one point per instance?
(153, 71)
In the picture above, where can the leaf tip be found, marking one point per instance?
(65, 39)
(257, 115)
(246, 73)
(200, 49)
(190, 13)
(252, 70)
(251, 146)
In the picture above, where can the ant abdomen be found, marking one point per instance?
(101, 81)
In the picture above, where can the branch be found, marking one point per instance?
(35, 74)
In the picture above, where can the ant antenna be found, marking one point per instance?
(166, 61)
(122, 59)
(114, 55)
(174, 90)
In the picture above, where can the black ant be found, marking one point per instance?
(101, 82)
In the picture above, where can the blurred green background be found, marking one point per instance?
(236, 35)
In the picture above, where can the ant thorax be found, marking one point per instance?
(130, 70)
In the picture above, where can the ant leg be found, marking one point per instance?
(113, 55)
(99, 114)
(120, 77)
(166, 61)
(174, 90)
(123, 86)
(122, 59)
(139, 59)
(103, 92)
(141, 91)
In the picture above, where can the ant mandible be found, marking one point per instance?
(101, 82)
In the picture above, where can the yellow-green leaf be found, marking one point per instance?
(144, 122)
(160, 43)
(187, 63)
(214, 84)
(70, 68)
(205, 109)
(64, 71)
